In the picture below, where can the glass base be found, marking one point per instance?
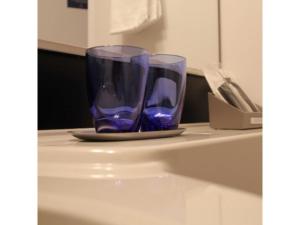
(158, 118)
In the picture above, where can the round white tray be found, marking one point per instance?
(93, 136)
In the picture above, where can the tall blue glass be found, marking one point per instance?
(165, 93)
(116, 81)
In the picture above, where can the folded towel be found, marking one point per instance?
(129, 16)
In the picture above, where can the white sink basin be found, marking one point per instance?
(204, 176)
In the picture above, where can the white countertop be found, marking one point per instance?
(204, 176)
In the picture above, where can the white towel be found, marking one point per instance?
(129, 16)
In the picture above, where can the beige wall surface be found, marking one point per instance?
(188, 28)
(242, 43)
(60, 24)
(185, 29)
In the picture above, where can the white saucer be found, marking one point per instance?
(93, 136)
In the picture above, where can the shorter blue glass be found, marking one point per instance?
(116, 81)
(165, 93)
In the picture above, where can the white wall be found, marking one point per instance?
(188, 28)
(242, 43)
(185, 29)
(60, 24)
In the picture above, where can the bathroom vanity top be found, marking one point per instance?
(198, 132)
(204, 176)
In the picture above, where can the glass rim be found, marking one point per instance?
(179, 57)
(89, 51)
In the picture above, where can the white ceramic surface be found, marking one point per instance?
(204, 176)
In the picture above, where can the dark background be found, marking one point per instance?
(62, 98)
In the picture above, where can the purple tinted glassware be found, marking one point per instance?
(165, 92)
(116, 80)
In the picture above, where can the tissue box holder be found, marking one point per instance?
(225, 116)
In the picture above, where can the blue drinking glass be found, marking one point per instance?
(165, 93)
(116, 81)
